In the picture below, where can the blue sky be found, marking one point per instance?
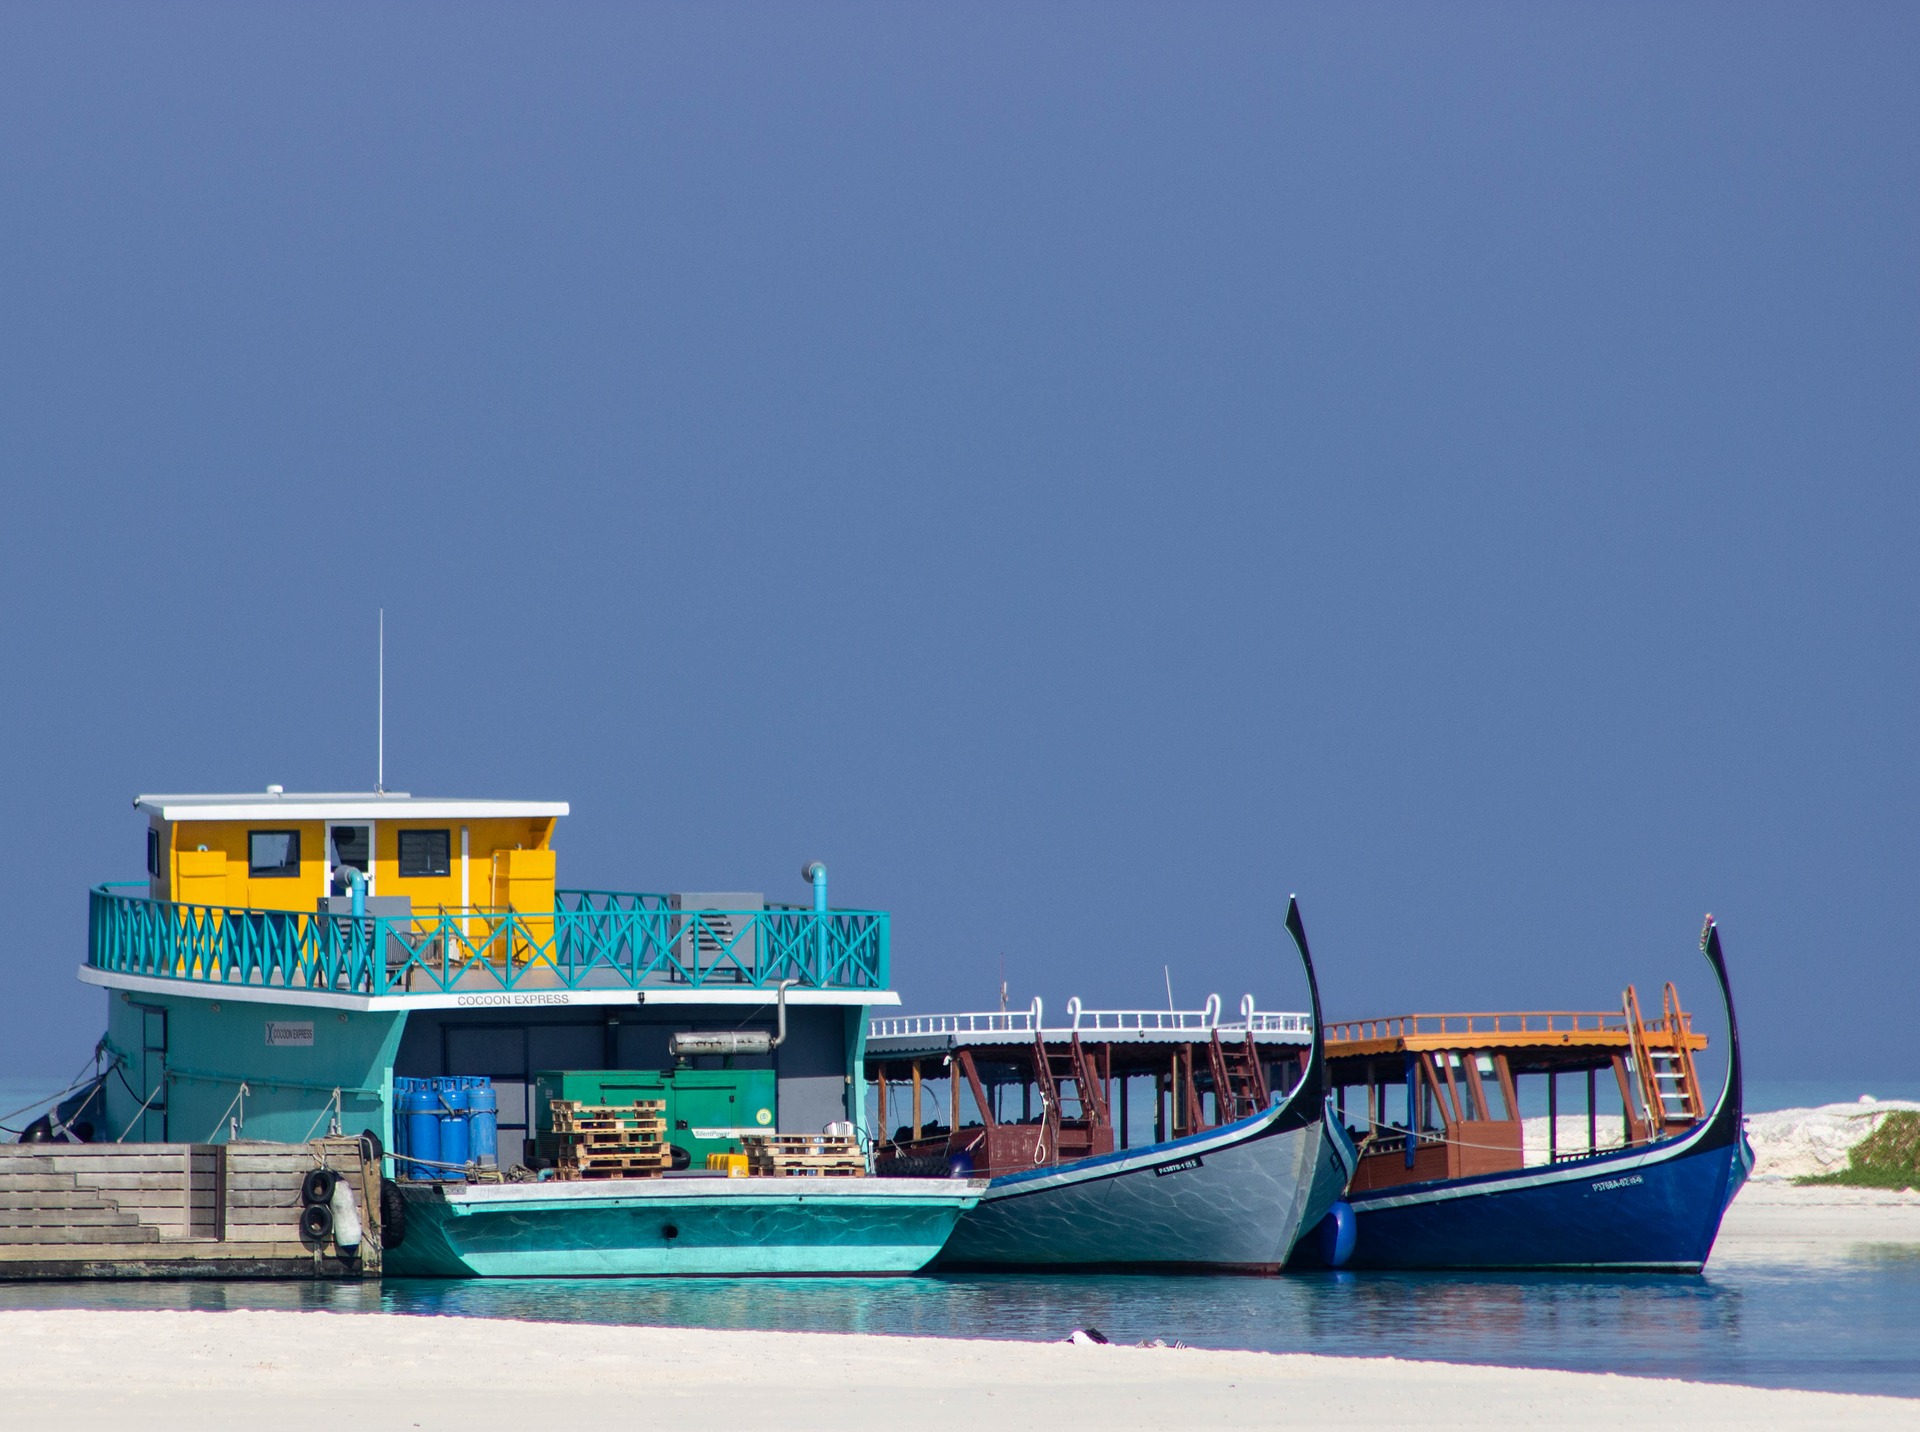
(1083, 472)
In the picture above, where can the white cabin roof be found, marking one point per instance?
(338, 805)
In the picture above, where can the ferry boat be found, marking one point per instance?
(1240, 1161)
(1444, 1178)
(290, 955)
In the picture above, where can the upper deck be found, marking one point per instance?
(922, 1036)
(1534, 1040)
(602, 946)
(385, 900)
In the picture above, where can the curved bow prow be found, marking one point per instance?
(1311, 1090)
(1727, 1114)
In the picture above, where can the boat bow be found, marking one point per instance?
(1305, 1103)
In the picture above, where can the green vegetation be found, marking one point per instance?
(1889, 1157)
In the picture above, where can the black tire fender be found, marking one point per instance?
(317, 1186)
(393, 1214)
(316, 1222)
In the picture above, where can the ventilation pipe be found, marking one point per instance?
(733, 1041)
(357, 885)
(817, 873)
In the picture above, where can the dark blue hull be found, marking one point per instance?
(1656, 1207)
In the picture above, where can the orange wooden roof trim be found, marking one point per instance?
(1533, 1029)
(1566, 1039)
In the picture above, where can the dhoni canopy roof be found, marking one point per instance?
(338, 805)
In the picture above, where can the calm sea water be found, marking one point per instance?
(1843, 1325)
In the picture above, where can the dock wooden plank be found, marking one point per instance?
(66, 1233)
(175, 1210)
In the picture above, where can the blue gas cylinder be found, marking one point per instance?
(421, 1106)
(455, 1146)
(483, 1123)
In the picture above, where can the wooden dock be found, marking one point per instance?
(178, 1210)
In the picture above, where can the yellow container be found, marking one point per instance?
(201, 877)
(523, 882)
(733, 1165)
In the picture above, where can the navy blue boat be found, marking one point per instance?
(1447, 1187)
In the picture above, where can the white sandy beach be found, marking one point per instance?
(296, 1371)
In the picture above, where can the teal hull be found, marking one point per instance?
(757, 1227)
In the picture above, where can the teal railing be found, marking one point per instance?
(593, 939)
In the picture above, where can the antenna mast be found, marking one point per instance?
(380, 758)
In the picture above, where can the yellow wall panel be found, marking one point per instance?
(486, 840)
(229, 840)
(218, 875)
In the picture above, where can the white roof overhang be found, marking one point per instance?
(344, 805)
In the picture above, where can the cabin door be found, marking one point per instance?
(349, 847)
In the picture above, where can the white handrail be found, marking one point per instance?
(1202, 1022)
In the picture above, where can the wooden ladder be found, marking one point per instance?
(1239, 1083)
(1071, 1137)
(1669, 1084)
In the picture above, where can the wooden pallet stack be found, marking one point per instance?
(804, 1156)
(607, 1140)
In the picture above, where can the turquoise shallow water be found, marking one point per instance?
(1843, 1325)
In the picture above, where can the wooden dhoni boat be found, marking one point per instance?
(1450, 1187)
(1241, 1158)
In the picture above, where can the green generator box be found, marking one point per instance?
(708, 1111)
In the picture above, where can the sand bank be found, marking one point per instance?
(1787, 1143)
(295, 1371)
(1776, 1221)
(1792, 1143)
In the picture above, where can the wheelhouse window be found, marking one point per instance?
(273, 853)
(153, 851)
(424, 853)
(352, 846)
(1491, 1086)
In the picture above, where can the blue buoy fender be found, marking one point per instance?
(1338, 1232)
